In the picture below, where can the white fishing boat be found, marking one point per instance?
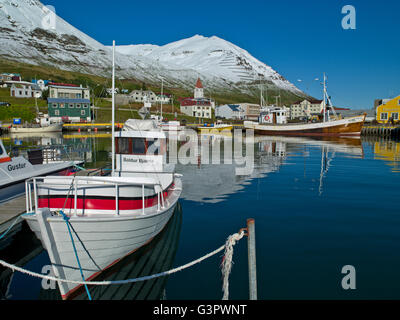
(88, 224)
(15, 170)
(35, 128)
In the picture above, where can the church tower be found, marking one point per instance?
(199, 90)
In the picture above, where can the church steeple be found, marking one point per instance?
(199, 90)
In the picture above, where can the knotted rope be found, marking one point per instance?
(226, 268)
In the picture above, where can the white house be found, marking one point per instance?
(230, 111)
(142, 95)
(22, 89)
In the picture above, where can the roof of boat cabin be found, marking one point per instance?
(141, 134)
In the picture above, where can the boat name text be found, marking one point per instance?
(16, 166)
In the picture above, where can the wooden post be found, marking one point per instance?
(251, 247)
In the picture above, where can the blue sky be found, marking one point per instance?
(299, 39)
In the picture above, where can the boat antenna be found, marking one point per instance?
(162, 96)
(324, 103)
(113, 112)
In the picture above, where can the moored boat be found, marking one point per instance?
(88, 224)
(15, 170)
(216, 127)
(36, 128)
(274, 122)
(343, 127)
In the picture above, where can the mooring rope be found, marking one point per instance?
(226, 268)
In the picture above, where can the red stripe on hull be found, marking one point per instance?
(99, 204)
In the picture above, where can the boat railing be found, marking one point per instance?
(43, 154)
(32, 198)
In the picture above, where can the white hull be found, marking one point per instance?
(100, 240)
(50, 128)
(14, 173)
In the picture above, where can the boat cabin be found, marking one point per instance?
(273, 115)
(140, 151)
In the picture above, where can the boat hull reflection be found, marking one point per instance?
(156, 257)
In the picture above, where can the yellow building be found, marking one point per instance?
(388, 110)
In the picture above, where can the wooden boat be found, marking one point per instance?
(274, 123)
(344, 127)
(88, 224)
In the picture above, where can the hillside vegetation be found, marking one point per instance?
(25, 108)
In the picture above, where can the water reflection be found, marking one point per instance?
(290, 170)
(156, 257)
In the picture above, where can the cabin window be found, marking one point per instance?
(384, 116)
(138, 146)
(123, 146)
(1, 151)
(395, 116)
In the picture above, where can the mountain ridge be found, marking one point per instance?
(221, 64)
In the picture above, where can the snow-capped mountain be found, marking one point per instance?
(211, 56)
(31, 33)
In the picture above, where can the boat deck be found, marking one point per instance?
(10, 210)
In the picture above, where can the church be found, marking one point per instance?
(198, 106)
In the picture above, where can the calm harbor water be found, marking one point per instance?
(318, 206)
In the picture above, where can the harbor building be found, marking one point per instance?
(68, 103)
(305, 108)
(388, 110)
(198, 106)
(251, 111)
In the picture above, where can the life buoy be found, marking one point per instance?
(266, 118)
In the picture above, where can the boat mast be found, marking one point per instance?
(162, 96)
(324, 103)
(113, 112)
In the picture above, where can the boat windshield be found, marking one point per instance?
(137, 146)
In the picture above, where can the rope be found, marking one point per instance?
(227, 262)
(228, 246)
(14, 223)
(66, 219)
